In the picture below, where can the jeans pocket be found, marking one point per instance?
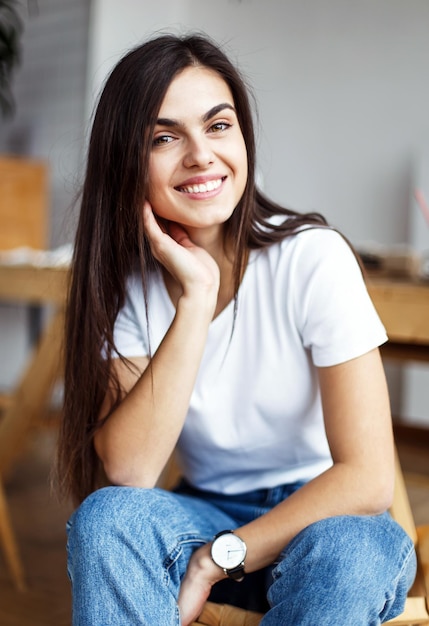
(176, 563)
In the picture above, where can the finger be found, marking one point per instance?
(149, 220)
(156, 225)
(179, 234)
(156, 232)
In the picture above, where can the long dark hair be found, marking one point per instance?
(110, 237)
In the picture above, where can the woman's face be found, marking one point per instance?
(198, 163)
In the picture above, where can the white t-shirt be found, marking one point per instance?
(255, 418)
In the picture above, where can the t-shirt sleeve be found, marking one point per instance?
(338, 319)
(130, 331)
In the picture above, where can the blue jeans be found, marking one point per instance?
(128, 550)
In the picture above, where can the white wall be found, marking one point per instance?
(342, 90)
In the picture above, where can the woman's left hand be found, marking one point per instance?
(196, 585)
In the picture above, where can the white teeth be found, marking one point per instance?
(203, 187)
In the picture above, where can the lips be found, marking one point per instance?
(201, 187)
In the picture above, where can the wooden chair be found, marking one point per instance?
(23, 219)
(417, 604)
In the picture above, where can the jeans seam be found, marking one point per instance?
(177, 551)
(401, 571)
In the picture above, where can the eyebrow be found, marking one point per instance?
(166, 121)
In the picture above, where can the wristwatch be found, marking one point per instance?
(228, 551)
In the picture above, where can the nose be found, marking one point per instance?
(198, 152)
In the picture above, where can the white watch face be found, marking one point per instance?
(228, 551)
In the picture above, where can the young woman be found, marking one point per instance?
(204, 319)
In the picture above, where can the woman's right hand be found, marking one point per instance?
(192, 267)
(135, 443)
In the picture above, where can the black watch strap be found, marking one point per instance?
(237, 573)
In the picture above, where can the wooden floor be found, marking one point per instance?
(40, 520)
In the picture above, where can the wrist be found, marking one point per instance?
(202, 566)
(200, 305)
(228, 551)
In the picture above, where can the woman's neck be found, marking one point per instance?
(212, 240)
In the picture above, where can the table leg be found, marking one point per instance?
(26, 408)
(32, 394)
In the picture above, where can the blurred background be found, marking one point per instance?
(342, 96)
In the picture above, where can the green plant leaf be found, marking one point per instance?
(11, 28)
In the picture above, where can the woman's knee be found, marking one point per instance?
(349, 541)
(345, 553)
(330, 547)
(115, 512)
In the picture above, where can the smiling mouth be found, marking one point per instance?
(210, 185)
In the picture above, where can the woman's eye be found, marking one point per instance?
(219, 127)
(162, 140)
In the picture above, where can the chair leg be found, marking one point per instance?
(9, 545)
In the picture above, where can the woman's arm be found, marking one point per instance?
(136, 441)
(361, 479)
(358, 426)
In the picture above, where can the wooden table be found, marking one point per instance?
(28, 402)
(41, 286)
(35, 285)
